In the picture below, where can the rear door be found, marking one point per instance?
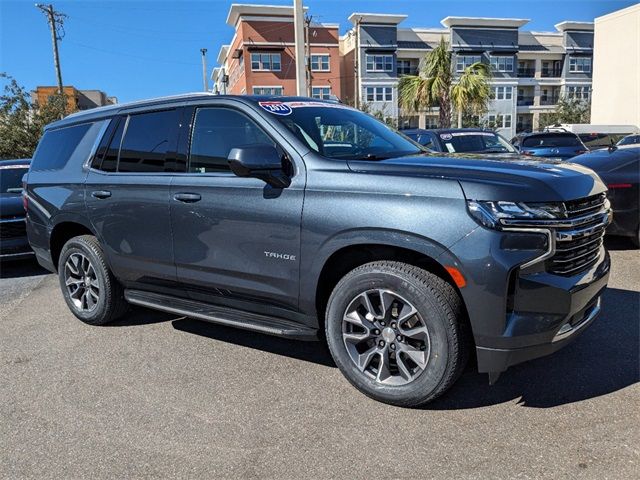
(236, 240)
(127, 197)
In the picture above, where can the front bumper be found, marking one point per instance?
(521, 314)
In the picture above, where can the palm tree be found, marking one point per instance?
(435, 85)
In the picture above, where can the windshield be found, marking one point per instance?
(596, 140)
(552, 140)
(630, 140)
(336, 131)
(475, 142)
(11, 178)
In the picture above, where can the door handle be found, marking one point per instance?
(187, 197)
(101, 194)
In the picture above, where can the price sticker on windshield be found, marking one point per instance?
(277, 108)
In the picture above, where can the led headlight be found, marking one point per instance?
(496, 214)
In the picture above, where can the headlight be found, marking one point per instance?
(493, 214)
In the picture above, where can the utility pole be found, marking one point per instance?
(307, 48)
(56, 20)
(356, 57)
(298, 22)
(205, 81)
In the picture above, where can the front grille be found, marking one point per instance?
(12, 228)
(578, 245)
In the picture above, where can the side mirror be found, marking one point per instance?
(259, 161)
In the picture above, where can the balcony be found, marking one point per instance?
(524, 101)
(550, 100)
(524, 127)
(549, 73)
(526, 72)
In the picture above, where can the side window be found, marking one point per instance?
(148, 141)
(57, 147)
(110, 159)
(215, 132)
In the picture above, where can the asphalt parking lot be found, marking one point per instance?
(156, 395)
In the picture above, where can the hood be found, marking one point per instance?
(508, 178)
(11, 205)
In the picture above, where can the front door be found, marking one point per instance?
(236, 240)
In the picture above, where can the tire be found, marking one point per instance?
(93, 294)
(424, 362)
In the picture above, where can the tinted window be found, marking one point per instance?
(58, 146)
(595, 140)
(107, 155)
(216, 131)
(11, 178)
(424, 140)
(475, 142)
(630, 140)
(148, 141)
(552, 140)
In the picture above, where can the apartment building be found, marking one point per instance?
(260, 59)
(531, 70)
(76, 99)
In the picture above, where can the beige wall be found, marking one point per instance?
(616, 68)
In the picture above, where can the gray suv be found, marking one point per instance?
(308, 219)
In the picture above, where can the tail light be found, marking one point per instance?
(615, 186)
(527, 152)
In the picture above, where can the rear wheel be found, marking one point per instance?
(395, 331)
(88, 286)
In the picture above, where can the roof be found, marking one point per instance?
(569, 25)
(376, 18)
(222, 53)
(410, 44)
(238, 9)
(483, 22)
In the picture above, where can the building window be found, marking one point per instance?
(320, 63)
(323, 93)
(503, 93)
(579, 93)
(500, 121)
(580, 64)
(404, 67)
(267, 90)
(502, 64)
(379, 94)
(431, 122)
(265, 62)
(379, 63)
(464, 61)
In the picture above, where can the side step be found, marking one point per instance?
(223, 315)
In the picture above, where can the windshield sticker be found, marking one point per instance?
(277, 108)
(450, 148)
(472, 134)
(311, 103)
(446, 136)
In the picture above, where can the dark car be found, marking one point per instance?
(619, 168)
(310, 219)
(461, 140)
(563, 145)
(13, 236)
(629, 140)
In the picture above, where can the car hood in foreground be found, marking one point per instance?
(495, 177)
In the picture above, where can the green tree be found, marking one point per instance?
(568, 110)
(435, 85)
(22, 121)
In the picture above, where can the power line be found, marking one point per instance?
(137, 57)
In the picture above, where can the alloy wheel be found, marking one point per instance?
(81, 282)
(385, 337)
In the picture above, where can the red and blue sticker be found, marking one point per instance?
(277, 108)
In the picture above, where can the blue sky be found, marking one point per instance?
(143, 48)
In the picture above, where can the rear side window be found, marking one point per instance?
(58, 146)
(11, 178)
(216, 131)
(149, 140)
(552, 140)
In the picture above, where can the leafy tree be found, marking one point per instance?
(568, 110)
(22, 121)
(435, 85)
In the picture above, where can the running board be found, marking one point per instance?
(222, 315)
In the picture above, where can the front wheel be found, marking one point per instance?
(396, 332)
(91, 291)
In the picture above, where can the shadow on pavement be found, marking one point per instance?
(619, 243)
(315, 352)
(21, 268)
(604, 359)
(142, 316)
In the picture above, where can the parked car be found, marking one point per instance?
(619, 168)
(595, 137)
(13, 236)
(230, 209)
(563, 145)
(460, 140)
(629, 140)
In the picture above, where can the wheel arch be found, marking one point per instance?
(63, 231)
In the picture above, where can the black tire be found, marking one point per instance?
(110, 303)
(439, 308)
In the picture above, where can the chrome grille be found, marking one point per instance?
(12, 228)
(578, 245)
